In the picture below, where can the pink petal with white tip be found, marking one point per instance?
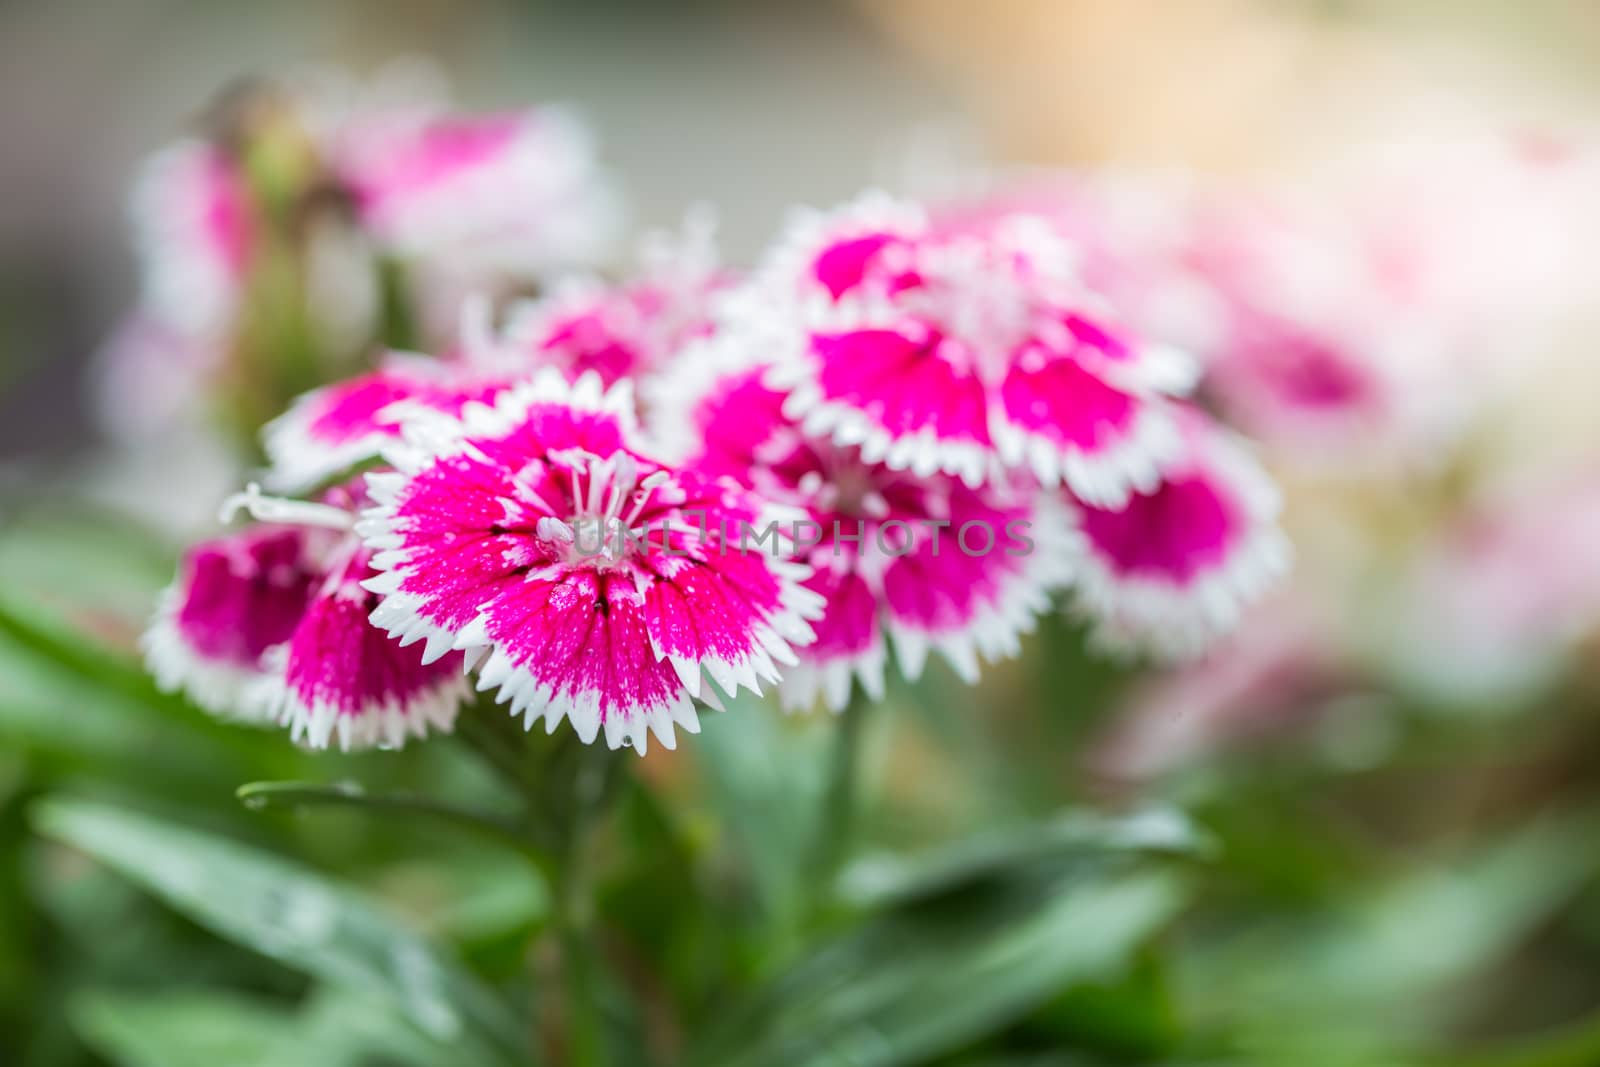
(974, 590)
(331, 429)
(340, 679)
(234, 599)
(908, 575)
(1171, 569)
(961, 350)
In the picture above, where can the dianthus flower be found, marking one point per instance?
(588, 581)
(964, 350)
(627, 329)
(515, 192)
(270, 624)
(925, 559)
(1170, 569)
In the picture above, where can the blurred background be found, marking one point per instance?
(1364, 830)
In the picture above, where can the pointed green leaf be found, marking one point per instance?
(292, 914)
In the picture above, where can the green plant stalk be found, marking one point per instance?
(838, 818)
(592, 786)
(261, 795)
(566, 787)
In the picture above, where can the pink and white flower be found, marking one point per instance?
(1171, 569)
(338, 426)
(629, 329)
(923, 561)
(515, 192)
(270, 625)
(235, 597)
(195, 236)
(591, 582)
(960, 349)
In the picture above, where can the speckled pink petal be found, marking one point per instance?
(339, 679)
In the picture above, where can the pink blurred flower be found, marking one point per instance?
(1171, 569)
(630, 329)
(1498, 599)
(516, 192)
(194, 233)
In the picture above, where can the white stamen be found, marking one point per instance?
(549, 528)
(281, 510)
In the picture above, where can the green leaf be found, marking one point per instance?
(259, 796)
(77, 560)
(919, 982)
(185, 1029)
(292, 914)
(205, 1028)
(877, 881)
(1389, 967)
(766, 781)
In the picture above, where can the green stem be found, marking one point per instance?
(593, 779)
(566, 788)
(262, 795)
(837, 821)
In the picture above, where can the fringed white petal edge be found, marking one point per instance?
(707, 679)
(388, 725)
(532, 701)
(830, 679)
(1104, 478)
(995, 630)
(923, 453)
(1178, 623)
(226, 690)
(808, 231)
(298, 460)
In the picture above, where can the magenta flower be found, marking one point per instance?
(195, 236)
(1171, 569)
(331, 429)
(960, 349)
(628, 329)
(591, 582)
(925, 559)
(516, 192)
(270, 625)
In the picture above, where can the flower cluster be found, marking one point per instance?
(897, 432)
